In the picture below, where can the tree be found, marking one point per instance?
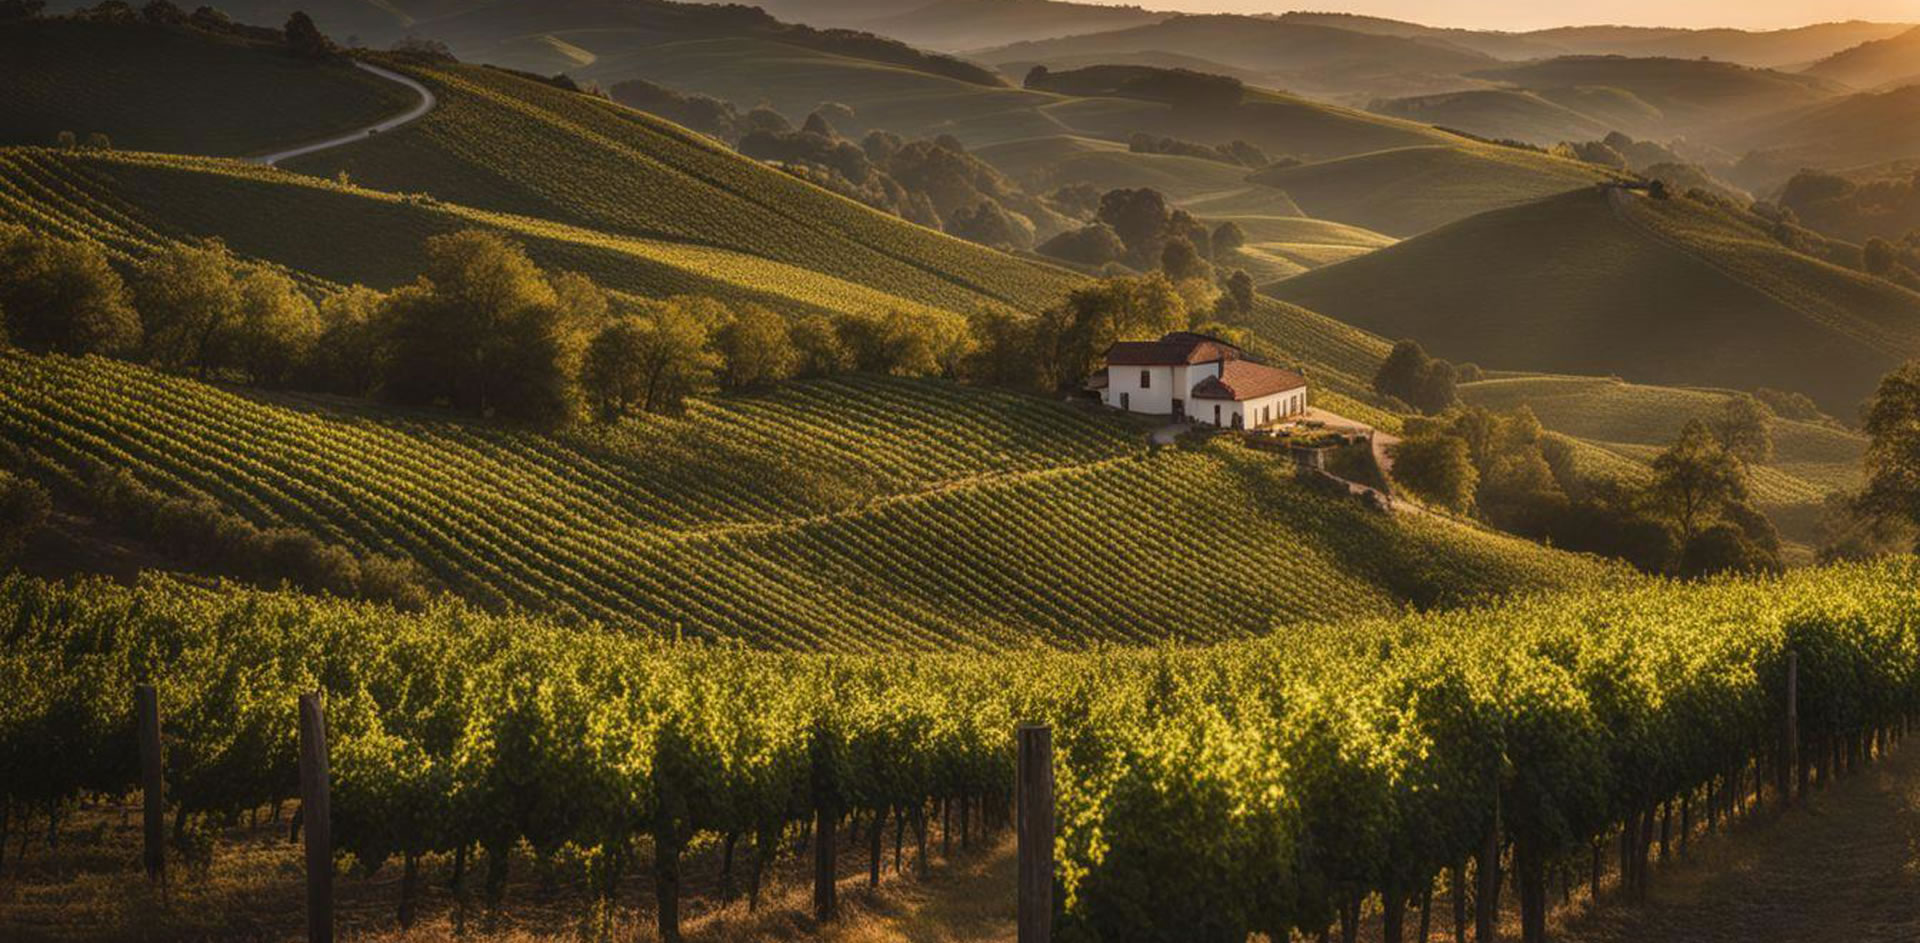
(1743, 425)
(163, 13)
(1426, 383)
(652, 361)
(902, 344)
(817, 348)
(1093, 245)
(348, 356)
(1139, 218)
(305, 40)
(20, 9)
(1893, 454)
(1399, 374)
(97, 141)
(1069, 337)
(62, 296)
(481, 331)
(986, 223)
(1438, 468)
(1695, 479)
(276, 327)
(754, 349)
(188, 300)
(1237, 301)
(1228, 237)
(66, 141)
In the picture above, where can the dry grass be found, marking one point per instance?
(90, 888)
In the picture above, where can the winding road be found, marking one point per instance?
(426, 103)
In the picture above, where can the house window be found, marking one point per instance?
(1146, 379)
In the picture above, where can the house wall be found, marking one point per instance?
(1156, 398)
(1283, 404)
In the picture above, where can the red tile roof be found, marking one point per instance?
(1179, 347)
(1241, 380)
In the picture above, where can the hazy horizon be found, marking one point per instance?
(1508, 15)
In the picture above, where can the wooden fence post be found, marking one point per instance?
(153, 809)
(316, 815)
(825, 815)
(1034, 827)
(1793, 728)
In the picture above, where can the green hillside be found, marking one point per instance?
(794, 81)
(1602, 282)
(1893, 60)
(849, 514)
(1405, 191)
(498, 142)
(222, 95)
(1506, 114)
(1041, 164)
(1283, 246)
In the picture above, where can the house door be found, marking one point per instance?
(1124, 404)
(1179, 409)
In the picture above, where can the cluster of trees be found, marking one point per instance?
(1694, 516)
(1884, 207)
(1424, 382)
(1888, 508)
(1239, 153)
(1138, 230)
(933, 182)
(703, 113)
(483, 330)
(300, 36)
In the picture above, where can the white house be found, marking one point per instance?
(1196, 378)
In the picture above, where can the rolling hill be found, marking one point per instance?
(239, 97)
(1304, 57)
(1405, 191)
(1894, 60)
(1505, 114)
(1690, 94)
(1854, 131)
(848, 514)
(960, 25)
(1602, 282)
(1773, 49)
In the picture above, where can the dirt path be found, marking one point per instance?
(426, 103)
(1847, 868)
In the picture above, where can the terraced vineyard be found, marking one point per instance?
(855, 513)
(502, 143)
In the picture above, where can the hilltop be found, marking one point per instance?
(961, 25)
(1299, 56)
(1505, 114)
(1605, 282)
(245, 94)
(1892, 61)
(1690, 94)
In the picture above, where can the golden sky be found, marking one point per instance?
(1532, 14)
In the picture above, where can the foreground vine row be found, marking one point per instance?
(1203, 792)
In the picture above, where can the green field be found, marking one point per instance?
(1603, 283)
(1406, 191)
(220, 96)
(848, 514)
(502, 143)
(1501, 113)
